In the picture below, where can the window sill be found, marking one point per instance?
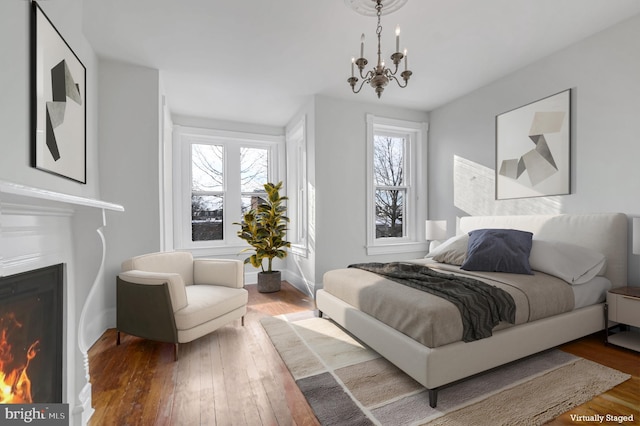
(405, 247)
(228, 251)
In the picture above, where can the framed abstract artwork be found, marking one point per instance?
(59, 102)
(533, 143)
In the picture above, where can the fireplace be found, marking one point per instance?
(39, 228)
(31, 317)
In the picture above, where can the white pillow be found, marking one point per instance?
(570, 262)
(453, 251)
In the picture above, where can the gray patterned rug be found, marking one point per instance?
(347, 383)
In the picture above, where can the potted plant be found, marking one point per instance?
(264, 228)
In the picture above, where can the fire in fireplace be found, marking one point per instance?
(31, 306)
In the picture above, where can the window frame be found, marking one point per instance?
(297, 181)
(232, 142)
(414, 183)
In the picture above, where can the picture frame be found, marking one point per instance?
(59, 117)
(533, 149)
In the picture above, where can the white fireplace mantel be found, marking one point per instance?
(37, 230)
(44, 194)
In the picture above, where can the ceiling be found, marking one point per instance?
(259, 61)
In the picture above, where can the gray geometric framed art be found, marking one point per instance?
(533, 149)
(59, 102)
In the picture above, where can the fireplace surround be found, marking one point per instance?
(41, 228)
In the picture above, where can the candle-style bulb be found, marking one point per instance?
(405, 59)
(362, 45)
(397, 38)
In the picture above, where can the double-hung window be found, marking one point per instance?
(396, 191)
(220, 175)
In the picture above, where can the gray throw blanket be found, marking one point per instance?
(482, 306)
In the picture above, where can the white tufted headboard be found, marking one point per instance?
(604, 232)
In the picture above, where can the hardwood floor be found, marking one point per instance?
(624, 399)
(235, 377)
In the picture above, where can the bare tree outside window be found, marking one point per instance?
(207, 196)
(208, 186)
(390, 188)
(254, 173)
(207, 172)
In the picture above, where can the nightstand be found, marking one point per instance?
(623, 306)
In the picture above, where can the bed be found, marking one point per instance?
(350, 297)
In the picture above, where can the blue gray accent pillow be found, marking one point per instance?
(499, 250)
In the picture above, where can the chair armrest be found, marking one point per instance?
(225, 272)
(174, 281)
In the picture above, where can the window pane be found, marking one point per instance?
(389, 213)
(388, 160)
(207, 217)
(252, 201)
(207, 170)
(254, 169)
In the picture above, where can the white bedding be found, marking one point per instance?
(591, 292)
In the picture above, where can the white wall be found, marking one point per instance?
(603, 72)
(339, 157)
(232, 126)
(130, 154)
(15, 93)
(336, 173)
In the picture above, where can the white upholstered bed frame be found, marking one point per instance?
(436, 367)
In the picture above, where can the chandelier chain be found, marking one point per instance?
(379, 30)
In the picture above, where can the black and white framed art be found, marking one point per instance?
(533, 142)
(59, 102)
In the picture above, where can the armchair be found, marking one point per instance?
(172, 297)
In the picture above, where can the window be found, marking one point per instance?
(207, 192)
(396, 185)
(389, 167)
(221, 176)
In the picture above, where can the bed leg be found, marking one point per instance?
(433, 397)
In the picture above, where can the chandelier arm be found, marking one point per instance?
(367, 76)
(388, 71)
(359, 88)
(393, 77)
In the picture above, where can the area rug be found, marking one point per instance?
(347, 383)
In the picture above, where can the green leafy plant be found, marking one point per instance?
(264, 228)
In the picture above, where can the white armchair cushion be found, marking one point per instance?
(224, 272)
(176, 261)
(207, 302)
(177, 290)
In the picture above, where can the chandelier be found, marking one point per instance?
(379, 76)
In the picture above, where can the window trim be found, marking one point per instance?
(184, 137)
(297, 180)
(415, 207)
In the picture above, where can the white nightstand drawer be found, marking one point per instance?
(628, 310)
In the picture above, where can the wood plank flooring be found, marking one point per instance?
(234, 376)
(624, 399)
